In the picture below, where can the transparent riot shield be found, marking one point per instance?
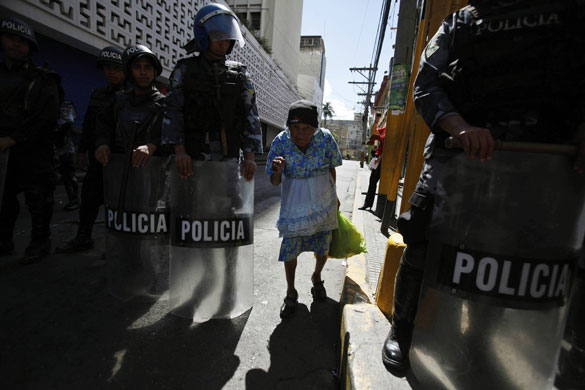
(4, 154)
(504, 238)
(212, 251)
(137, 221)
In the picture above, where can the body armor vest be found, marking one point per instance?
(213, 110)
(18, 95)
(100, 98)
(134, 120)
(520, 64)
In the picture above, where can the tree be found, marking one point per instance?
(327, 111)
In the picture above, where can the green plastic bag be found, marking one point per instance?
(347, 240)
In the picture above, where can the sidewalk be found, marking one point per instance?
(363, 326)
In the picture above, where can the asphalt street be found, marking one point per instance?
(61, 329)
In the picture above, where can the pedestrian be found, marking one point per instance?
(479, 81)
(92, 190)
(303, 158)
(211, 123)
(375, 173)
(65, 151)
(28, 116)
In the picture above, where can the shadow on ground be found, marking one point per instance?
(301, 352)
(60, 329)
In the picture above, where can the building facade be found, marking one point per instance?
(71, 34)
(312, 66)
(349, 134)
(278, 23)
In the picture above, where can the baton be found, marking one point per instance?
(512, 146)
(125, 173)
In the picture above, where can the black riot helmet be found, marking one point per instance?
(110, 55)
(134, 52)
(19, 28)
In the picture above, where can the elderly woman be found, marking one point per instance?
(303, 158)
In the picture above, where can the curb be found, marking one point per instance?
(363, 327)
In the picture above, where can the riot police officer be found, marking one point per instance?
(495, 70)
(212, 117)
(92, 191)
(211, 106)
(133, 123)
(29, 110)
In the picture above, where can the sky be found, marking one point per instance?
(349, 29)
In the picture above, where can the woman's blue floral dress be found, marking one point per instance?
(308, 210)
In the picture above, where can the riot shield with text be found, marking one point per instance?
(503, 243)
(212, 251)
(137, 221)
(4, 154)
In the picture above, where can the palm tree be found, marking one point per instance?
(327, 111)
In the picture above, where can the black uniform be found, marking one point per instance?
(29, 109)
(92, 192)
(115, 123)
(514, 67)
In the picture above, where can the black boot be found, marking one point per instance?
(396, 348)
(36, 251)
(78, 244)
(397, 344)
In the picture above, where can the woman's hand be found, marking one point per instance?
(278, 164)
(141, 155)
(102, 154)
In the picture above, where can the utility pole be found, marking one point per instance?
(373, 67)
(367, 93)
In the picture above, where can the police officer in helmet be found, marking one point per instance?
(495, 70)
(212, 116)
(28, 115)
(142, 106)
(199, 104)
(92, 192)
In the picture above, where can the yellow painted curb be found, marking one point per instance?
(385, 290)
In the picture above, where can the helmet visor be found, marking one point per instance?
(224, 27)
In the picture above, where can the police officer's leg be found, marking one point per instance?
(8, 215)
(38, 194)
(70, 181)
(413, 224)
(92, 197)
(406, 295)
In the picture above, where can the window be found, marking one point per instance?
(255, 20)
(241, 16)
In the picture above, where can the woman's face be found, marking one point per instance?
(301, 134)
